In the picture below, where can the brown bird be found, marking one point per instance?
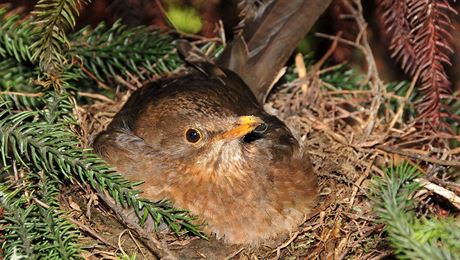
(203, 140)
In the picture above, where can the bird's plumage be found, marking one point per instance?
(245, 190)
(202, 140)
(269, 32)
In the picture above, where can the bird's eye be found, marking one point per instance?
(193, 135)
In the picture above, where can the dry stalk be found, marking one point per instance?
(148, 239)
(398, 114)
(418, 156)
(449, 195)
(24, 94)
(375, 82)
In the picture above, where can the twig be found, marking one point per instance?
(132, 238)
(91, 75)
(362, 44)
(137, 244)
(331, 68)
(134, 79)
(91, 232)
(24, 94)
(418, 156)
(454, 151)
(234, 254)
(374, 77)
(360, 180)
(449, 195)
(163, 12)
(357, 216)
(119, 242)
(287, 243)
(126, 83)
(323, 127)
(455, 187)
(404, 101)
(149, 240)
(341, 40)
(341, 178)
(329, 52)
(96, 96)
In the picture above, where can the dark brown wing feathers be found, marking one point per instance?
(270, 34)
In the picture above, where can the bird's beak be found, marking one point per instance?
(243, 126)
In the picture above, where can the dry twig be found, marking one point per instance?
(149, 240)
(449, 195)
(417, 156)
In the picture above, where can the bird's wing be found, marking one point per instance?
(270, 31)
(127, 152)
(198, 60)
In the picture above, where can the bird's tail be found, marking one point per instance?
(268, 34)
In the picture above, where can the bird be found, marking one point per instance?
(202, 139)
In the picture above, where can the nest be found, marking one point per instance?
(348, 139)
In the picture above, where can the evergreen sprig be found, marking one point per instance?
(16, 79)
(19, 232)
(31, 199)
(33, 230)
(412, 237)
(52, 19)
(15, 36)
(61, 237)
(35, 124)
(37, 137)
(102, 53)
(108, 52)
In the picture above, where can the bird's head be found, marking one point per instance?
(207, 143)
(196, 132)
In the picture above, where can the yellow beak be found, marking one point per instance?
(243, 126)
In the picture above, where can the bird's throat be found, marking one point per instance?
(224, 162)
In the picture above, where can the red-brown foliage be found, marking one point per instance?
(420, 39)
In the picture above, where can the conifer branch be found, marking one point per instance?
(124, 51)
(14, 36)
(17, 77)
(35, 230)
(42, 139)
(52, 19)
(35, 130)
(408, 234)
(420, 39)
